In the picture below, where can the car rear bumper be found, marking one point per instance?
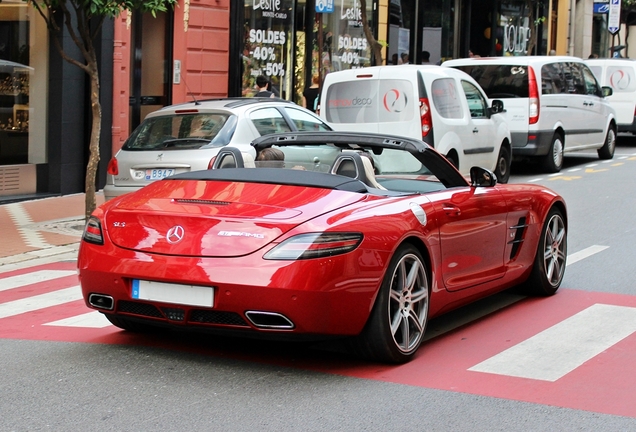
(629, 127)
(112, 191)
(317, 298)
(531, 143)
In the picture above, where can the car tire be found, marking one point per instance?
(607, 151)
(504, 161)
(453, 159)
(553, 161)
(549, 264)
(129, 325)
(397, 323)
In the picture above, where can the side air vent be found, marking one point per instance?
(519, 231)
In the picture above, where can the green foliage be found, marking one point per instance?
(108, 8)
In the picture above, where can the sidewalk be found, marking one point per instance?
(41, 229)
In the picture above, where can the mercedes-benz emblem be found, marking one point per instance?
(175, 234)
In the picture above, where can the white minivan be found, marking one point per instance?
(445, 108)
(620, 75)
(554, 105)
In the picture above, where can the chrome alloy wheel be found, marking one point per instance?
(555, 249)
(408, 303)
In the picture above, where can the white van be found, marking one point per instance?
(445, 108)
(554, 105)
(620, 75)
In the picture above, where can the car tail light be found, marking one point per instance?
(533, 97)
(113, 167)
(314, 245)
(93, 231)
(211, 163)
(426, 118)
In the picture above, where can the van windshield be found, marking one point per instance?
(500, 81)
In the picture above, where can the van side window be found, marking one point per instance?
(574, 82)
(552, 80)
(446, 98)
(476, 103)
(591, 85)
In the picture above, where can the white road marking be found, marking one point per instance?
(21, 218)
(555, 352)
(34, 277)
(88, 320)
(42, 301)
(574, 169)
(585, 253)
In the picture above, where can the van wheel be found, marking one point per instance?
(553, 161)
(607, 151)
(502, 170)
(452, 158)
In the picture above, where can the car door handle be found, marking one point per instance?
(475, 130)
(451, 210)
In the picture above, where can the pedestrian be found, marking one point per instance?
(311, 95)
(426, 57)
(262, 83)
(405, 58)
(394, 59)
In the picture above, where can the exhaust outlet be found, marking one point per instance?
(101, 301)
(269, 320)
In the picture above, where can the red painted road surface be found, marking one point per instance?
(603, 384)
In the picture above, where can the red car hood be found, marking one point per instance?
(214, 218)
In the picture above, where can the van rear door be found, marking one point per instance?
(380, 100)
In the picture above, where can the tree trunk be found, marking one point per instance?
(376, 47)
(93, 158)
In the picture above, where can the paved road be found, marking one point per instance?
(506, 363)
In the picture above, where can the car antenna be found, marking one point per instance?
(196, 102)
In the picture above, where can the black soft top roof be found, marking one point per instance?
(276, 176)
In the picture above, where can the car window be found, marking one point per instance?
(552, 80)
(305, 121)
(176, 131)
(476, 103)
(574, 83)
(268, 121)
(591, 85)
(500, 81)
(446, 98)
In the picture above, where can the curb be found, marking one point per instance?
(39, 257)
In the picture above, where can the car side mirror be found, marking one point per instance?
(497, 106)
(607, 91)
(481, 177)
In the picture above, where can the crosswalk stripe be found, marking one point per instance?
(34, 277)
(88, 320)
(41, 301)
(560, 349)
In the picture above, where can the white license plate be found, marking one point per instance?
(158, 174)
(190, 295)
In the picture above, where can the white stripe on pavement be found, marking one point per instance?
(31, 278)
(555, 352)
(41, 301)
(585, 253)
(88, 320)
(21, 218)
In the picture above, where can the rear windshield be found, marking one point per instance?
(182, 131)
(500, 81)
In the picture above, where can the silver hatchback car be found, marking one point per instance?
(187, 137)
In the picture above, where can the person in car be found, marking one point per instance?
(270, 158)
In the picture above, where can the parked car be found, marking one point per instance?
(620, 75)
(554, 105)
(445, 108)
(186, 137)
(365, 236)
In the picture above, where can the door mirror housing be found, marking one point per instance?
(481, 177)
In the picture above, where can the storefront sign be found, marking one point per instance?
(516, 37)
(324, 6)
(613, 22)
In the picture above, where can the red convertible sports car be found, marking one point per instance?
(324, 234)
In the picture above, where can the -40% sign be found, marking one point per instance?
(264, 53)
